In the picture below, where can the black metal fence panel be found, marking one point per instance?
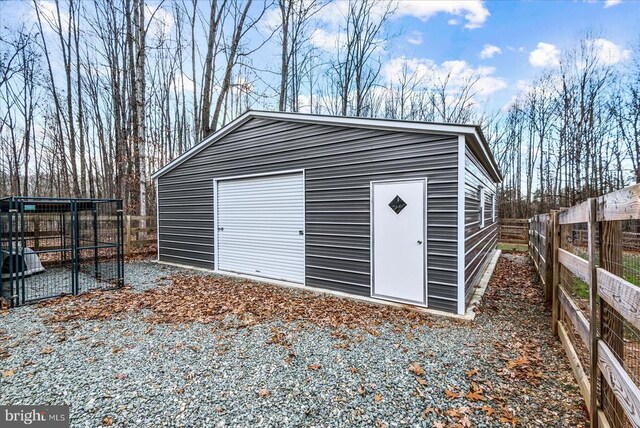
(53, 247)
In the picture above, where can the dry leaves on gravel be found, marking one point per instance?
(207, 299)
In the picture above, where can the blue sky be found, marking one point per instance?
(516, 28)
(519, 38)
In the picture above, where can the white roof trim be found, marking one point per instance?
(357, 122)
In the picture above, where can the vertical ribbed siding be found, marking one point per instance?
(479, 242)
(339, 162)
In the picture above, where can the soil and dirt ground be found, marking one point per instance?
(181, 348)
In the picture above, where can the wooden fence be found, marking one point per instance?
(513, 230)
(140, 232)
(539, 248)
(595, 306)
(630, 240)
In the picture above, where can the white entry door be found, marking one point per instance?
(260, 226)
(399, 240)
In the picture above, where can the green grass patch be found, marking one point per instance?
(630, 262)
(522, 248)
(580, 288)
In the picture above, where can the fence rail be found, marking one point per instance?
(513, 230)
(140, 232)
(588, 258)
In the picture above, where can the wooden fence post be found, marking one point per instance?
(538, 261)
(529, 237)
(611, 325)
(593, 331)
(548, 279)
(555, 304)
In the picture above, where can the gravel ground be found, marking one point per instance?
(503, 369)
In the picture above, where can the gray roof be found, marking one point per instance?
(472, 132)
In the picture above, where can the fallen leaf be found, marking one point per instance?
(416, 369)
(8, 373)
(454, 413)
(377, 398)
(264, 392)
(488, 410)
(47, 350)
(314, 367)
(353, 370)
(420, 392)
(465, 422)
(428, 410)
(452, 394)
(107, 421)
(361, 390)
(471, 372)
(465, 410)
(421, 381)
(439, 424)
(475, 396)
(508, 417)
(522, 360)
(475, 392)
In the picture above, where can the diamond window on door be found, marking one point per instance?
(397, 204)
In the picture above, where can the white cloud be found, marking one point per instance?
(331, 35)
(49, 16)
(335, 13)
(608, 52)
(453, 21)
(159, 20)
(333, 41)
(458, 72)
(270, 21)
(326, 40)
(545, 55)
(473, 11)
(611, 3)
(415, 38)
(489, 51)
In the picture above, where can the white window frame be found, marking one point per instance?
(481, 195)
(493, 207)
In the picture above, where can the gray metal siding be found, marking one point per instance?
(339, 162)
(479, 242)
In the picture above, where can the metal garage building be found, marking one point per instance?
(396, 210)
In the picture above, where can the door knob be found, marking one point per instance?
(419, 242)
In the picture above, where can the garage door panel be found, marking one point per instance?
(259, 221)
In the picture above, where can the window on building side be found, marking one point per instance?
(481, 197)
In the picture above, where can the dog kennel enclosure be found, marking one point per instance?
(52, 247)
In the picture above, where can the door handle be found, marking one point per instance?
(419, 242)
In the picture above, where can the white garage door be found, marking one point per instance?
(260, 226)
